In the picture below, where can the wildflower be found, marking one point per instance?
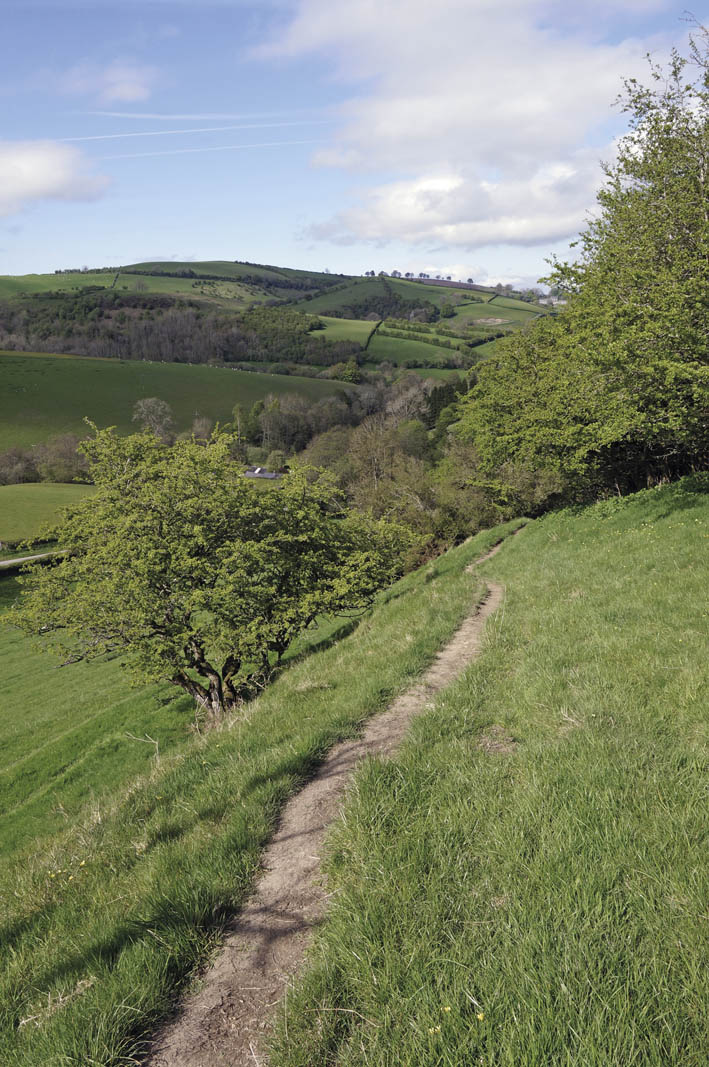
(83, 863)
(434, 1029)
(447, 1007)
(481, 1015)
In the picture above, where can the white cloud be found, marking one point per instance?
(489, 118)
(122, 81)
(31, 171)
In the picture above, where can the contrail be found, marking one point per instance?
(202, 129)
(204, 116)
(214, 148)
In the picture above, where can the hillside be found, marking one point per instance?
(214, 282)
(44, 394)
(25, 509)
(539, 840)
(200, 312)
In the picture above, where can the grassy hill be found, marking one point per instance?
(526, 882)
(224, 283)
(400, 351)
(359, 330)
(25, 509)
(42, 395)
(121, 904)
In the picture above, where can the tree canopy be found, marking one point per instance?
(613, 392)
(197, 575)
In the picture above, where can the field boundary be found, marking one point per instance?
(227, 1019)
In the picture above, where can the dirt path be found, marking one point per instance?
(223, 1024)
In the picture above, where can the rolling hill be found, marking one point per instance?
(43, 395)
(540, 835)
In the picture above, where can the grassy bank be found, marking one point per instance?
(43, 395)
(27, 508)
(104, 922)
(528, 882)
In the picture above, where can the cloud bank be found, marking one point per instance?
(32, 171)
(488, 120)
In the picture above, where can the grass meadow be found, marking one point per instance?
(347, 329)
(26, 284)
(106, 918)
(352, 293)
(27, 508)
(42, 395)
(398, 349)
(527, 882)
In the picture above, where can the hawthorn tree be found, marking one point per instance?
(195, 574)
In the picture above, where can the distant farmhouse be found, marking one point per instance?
(260, 472)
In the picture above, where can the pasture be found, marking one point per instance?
(353, 292)
(43, 395)
(398, 350)
(70, 746)
(26, 509)
(126, 896)
(346, 329)
(527, 882)
(17, 285)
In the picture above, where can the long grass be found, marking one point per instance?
(105, 922)
(528, 882)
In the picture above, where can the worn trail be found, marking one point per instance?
(223, 1024)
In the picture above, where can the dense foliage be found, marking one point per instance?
(148, 326)
(195, 575)
(614, 393)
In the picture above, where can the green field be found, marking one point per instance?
(70, 746)
(528, 882)
(347, 329)
(42, 395)
(435, 294)
(352, 293)
(226, 269)
(525, 883)
(224, 293)
(225, 288)
(26, 509)
(23, 284)
(397, 350)
(105, 919)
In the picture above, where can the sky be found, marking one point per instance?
(459, 137)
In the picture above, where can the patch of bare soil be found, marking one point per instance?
(224, 1023)
(491, 322)
(497, 742)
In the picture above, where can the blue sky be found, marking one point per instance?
(460, 137)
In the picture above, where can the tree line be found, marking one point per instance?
(612, 394)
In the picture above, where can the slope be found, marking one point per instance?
(45, 394)
(106, 920)
(527, 883)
